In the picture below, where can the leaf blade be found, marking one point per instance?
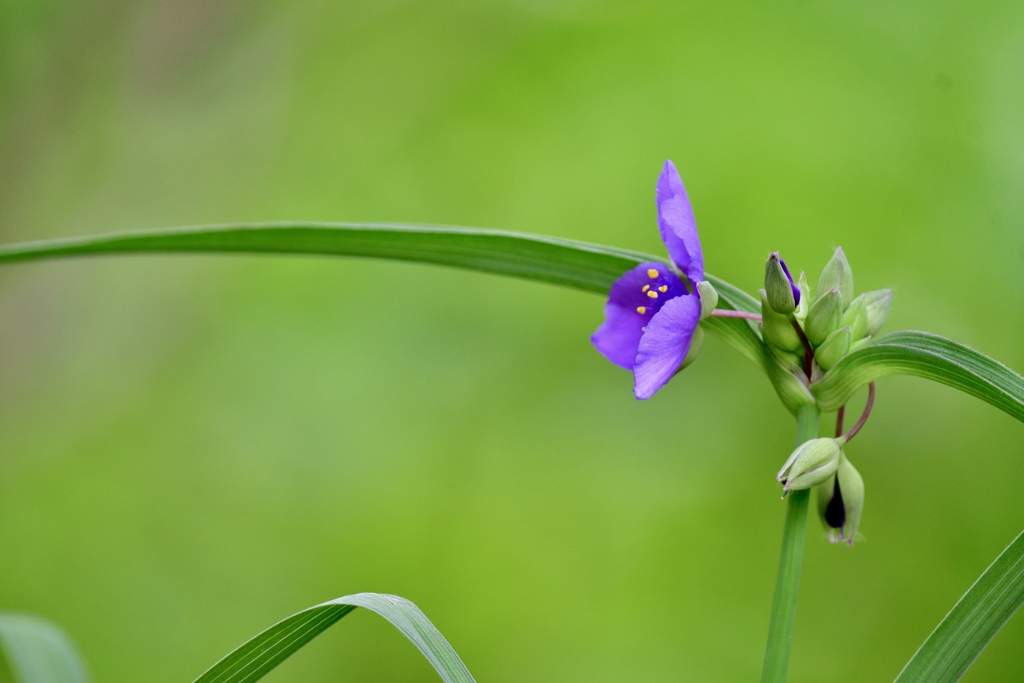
(39, 651)
(980, 613)
(929, 356)
(588, 267)
(259, 655)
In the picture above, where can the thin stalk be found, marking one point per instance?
(787, 583)
(726, 313)
(864, 415)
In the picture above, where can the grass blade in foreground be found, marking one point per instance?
(961, 636)
(39, 651)
(923, 355)
(258, 656)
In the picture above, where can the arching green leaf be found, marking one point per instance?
(923, 355)
(588, 267)
(39, 651)
(257, 657)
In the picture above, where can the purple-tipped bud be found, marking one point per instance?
(783, 294)
(841, 502)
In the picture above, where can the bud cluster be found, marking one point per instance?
(810, 331)
(815, 332)
(823, 463)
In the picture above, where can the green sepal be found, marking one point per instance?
(805, 297)
(708, 298)
(837, 275)
(835, 346)
(824, 316)
(878, 304)
(812, 463)
(856, 317)
(792, 362)
(777, 329)
(778, 287)
(851, 494)
(696, 343)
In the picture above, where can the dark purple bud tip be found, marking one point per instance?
(796, 290)
(835, 512)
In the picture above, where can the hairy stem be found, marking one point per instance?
(787, 583)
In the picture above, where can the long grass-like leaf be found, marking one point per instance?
(588, 267)
(255, 658)
(39, 651)
(923, 355)
(961, 636)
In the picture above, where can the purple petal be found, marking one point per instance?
(792, 285)
(678, 227)
(631, 307)
(664, 345)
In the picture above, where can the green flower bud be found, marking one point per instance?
(793, 362)
(777, 329)
(859, 344)
(878, 304)
(841, 502)
(824, 316)
(779, 286)
(708, 298)
(835, 346)
(812, 463)
(805, 297)
(856, 317)
(837, 275)
(695, 345)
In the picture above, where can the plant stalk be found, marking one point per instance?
(787, 583)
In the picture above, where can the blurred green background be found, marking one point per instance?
(193, 447)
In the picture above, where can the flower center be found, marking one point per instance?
(656, 292)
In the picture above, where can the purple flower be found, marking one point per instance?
(651, 317)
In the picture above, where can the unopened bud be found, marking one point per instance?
(783, 295)
(856, 317)
(835, 346)
(878, 304)
(824, 316)
(837, 275)
(812, 463)
(841, 502)
(791, 361)
(708, 298)
(777, 328)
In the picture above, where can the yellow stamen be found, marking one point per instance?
(652, 294)
(641, 309)
(652, 273)
(646, 287)
(663, 289)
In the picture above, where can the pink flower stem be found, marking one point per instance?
(863, 416)
(723, 313)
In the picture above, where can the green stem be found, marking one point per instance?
(787, 583)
